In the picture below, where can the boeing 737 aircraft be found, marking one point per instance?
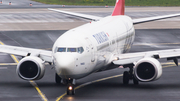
(97, 46)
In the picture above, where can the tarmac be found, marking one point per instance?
(39, 28)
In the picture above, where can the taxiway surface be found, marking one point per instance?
(39, 28)
(166, 88)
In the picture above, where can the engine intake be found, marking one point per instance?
(148, 69)
(31, 68)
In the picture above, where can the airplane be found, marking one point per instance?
(97, 46)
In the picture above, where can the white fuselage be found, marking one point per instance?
(91, 47)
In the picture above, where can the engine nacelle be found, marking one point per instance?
(31, 68)
(148, 69)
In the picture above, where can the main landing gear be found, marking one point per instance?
(57, 79)
(128, 75)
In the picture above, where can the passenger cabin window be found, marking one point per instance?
(61, 50)
(78, 50)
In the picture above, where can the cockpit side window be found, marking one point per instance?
(61, 49)
(80, 50)
(55, 50)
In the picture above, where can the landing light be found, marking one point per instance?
(70, 88)
(115, 59)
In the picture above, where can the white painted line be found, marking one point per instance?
(3, 68)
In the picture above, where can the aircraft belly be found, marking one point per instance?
(74, 76)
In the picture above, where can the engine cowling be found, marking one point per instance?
(148, 69)
(31, 68)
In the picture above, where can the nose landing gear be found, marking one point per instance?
(70, 84)
(70, 87)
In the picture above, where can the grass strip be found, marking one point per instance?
(112, 2)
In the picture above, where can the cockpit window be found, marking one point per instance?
(78, 50)
(61, 50)
(71, 50)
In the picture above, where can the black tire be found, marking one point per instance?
(73, 92)
(67, 92)
(70, 92)
(57, 79)
(135, 81)
(126, 78)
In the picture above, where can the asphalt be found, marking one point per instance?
(44, 19)
(36, 27)
(166, 88)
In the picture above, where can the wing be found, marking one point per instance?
(148, 19)
(129, 58)
(85, 16)
(21, 51)
(135, 21)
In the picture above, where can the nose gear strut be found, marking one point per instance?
(70, 87)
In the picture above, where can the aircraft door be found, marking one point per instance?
(91, 49)
(128, 39)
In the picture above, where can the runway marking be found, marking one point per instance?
(61, 97)
(103, 79)
(88, 83)
(32, 82)
(39, 91)
(3, 68)
(169, 64)
(1, 43)
(7, 64)
(13, 57)
(51, 38)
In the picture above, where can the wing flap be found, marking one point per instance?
(129, 58)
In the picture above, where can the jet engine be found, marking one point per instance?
(31, 68)
(147, 69)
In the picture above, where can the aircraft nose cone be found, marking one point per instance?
(65, 64)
